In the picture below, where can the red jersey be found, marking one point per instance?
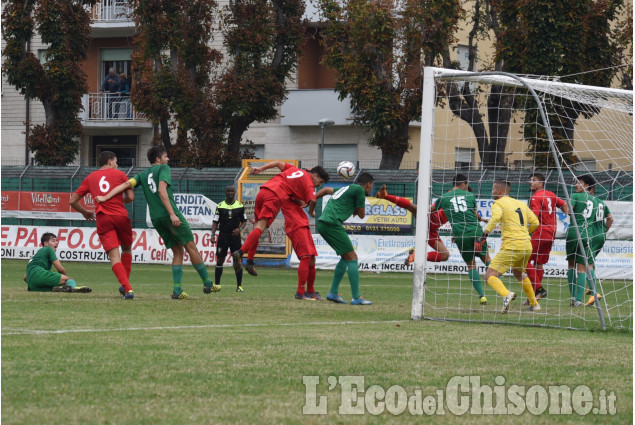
(437, 219)
(543, 203)
(294, 216)
(292, 183)
(99, 183)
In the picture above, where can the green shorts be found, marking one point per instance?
(173, 235)
(41, 280)
(574, 252)
(335, 235)
(597, 242)
(466, 248)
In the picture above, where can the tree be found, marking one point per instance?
(58, 82)
(378, 51)
(172, 64)
(572, 39)
(263, 40)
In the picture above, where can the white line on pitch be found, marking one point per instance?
(8, 331)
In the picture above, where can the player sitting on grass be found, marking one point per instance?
(517, 222)
(348, 200)
(39, 276)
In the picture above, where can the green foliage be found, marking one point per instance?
(567, 38)
(59, 83)
(378, 53)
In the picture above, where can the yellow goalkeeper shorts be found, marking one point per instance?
(510, 259)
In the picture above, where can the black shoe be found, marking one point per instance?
(63, 288)
(251, 269)
(541, 293)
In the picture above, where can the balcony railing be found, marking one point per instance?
(111, 11)
(109, 106)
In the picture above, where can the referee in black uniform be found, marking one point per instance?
(229, 220)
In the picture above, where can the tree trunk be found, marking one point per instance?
(236, 129)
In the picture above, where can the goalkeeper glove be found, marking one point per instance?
(478, 245)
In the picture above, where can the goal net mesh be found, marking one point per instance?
(490, 127)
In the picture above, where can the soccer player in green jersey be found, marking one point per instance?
(600, 221)
(346, 201)
(583, 207)
(166, 217)
(39, 276)
(459, 205)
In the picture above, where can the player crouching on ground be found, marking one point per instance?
(39, 276)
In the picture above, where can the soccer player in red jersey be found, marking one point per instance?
(296, 226)
(543, 204)
(113, 224)
(291, 183)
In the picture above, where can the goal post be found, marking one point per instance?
(516, 126)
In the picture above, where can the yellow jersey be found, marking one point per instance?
(516, 220)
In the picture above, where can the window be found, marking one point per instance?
(463, 158)
(463, 56)
(587, 164)
(120, 59)
(258, 151)
(334, 154)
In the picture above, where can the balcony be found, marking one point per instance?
(112, 18)
(111, 110)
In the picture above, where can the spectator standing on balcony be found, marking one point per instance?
(110, 85)
(124, 96)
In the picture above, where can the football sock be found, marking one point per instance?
(353, 277)
(71, 283)
(497, 285)
(531, 273)
(126, 260)
(311, 279)
(529, 291)
(399, 201)
(580, 285)
(338, 274)
(303, 273)
(251, 243)
(571, 278)
(434, 256)
(177, 277)
(202, 272)
(539, 274)
(120, 272)
(239, 278)
(218, 272)
(476, 281)
(597, 289)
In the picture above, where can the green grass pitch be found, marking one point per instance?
(240, 358)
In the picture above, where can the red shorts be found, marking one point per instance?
(114, 231)
(541, 243)
(302, 242)
(267, 206)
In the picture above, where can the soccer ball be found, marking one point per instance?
(346, 169)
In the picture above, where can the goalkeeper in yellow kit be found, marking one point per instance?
(516, 221)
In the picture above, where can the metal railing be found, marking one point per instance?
(111, 11)
(109, 106)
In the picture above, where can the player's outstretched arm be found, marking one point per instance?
(129, 196)
(116, 191)
(268, 165)
(324, 191)
(89, 216)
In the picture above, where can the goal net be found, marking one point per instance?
(491, 128)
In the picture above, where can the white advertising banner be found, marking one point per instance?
(197, 209)
(387, 253)
(82, 244)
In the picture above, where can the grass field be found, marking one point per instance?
(230, 358)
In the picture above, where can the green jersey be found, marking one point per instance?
(583, 205)
(44, 258)
(597, 222)
(149, 181)
(343, 203)
(459, 207)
